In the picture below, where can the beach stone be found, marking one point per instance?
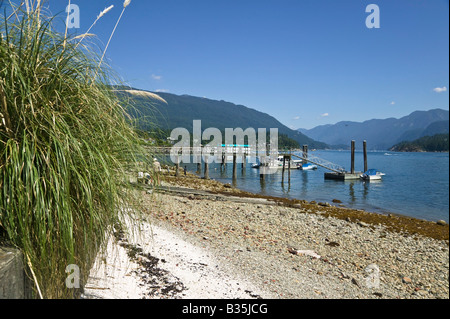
(355, 282)
(363, 224)
(441, 222)
(333, 244)
(422, 292)
(406, 280)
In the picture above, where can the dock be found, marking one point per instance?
(336, 172)
(352, 175)
(344, 176)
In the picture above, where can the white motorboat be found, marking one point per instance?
(294, 163)
(307, 167)
(372, 175)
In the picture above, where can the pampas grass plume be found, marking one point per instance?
(105, 11)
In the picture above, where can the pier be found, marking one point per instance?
(239, 154)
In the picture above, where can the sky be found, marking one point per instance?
(305, 62)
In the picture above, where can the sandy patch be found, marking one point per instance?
(189, 271)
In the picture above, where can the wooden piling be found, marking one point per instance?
(223, 164)
(289, 169)
(198, 160)
(177, 167)
(206, 176)
(353, 157)
(262, 168)
(284, 165)
(234, 166)
(305, 154)
(365, 156)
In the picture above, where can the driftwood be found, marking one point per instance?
(310, 253)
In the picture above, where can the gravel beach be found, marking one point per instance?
(261, 248)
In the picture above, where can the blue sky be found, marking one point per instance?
(305, 62)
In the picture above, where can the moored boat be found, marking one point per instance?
(372, 175)
(307, 167)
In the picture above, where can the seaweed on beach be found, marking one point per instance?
(159, 282)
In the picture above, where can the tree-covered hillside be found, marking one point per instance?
(165, 111)
(435, 143)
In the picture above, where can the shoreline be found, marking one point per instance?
(259, 247)
(395, 222)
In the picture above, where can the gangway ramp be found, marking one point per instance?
(321, 162)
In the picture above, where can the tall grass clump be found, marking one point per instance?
(65, 147)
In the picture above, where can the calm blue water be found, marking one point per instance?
(416, 184)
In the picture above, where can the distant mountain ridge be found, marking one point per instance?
(167, 111)
(382, 134)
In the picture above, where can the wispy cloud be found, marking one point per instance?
(325, 115)
(156, 77)
(393, 103)
(296, 118)
(162, 91)
(440, 90)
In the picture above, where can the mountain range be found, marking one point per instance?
(166, 111)
(382, 134)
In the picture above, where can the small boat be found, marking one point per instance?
(307, 166)
(372, 175)
(279, 163)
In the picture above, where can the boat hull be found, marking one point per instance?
(372, 175)
(307, 167)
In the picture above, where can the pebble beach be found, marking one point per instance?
(256, 247)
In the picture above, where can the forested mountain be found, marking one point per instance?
(435, 143)
(167, 111)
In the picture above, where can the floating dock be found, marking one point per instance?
(345, 176)
(352, 175)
